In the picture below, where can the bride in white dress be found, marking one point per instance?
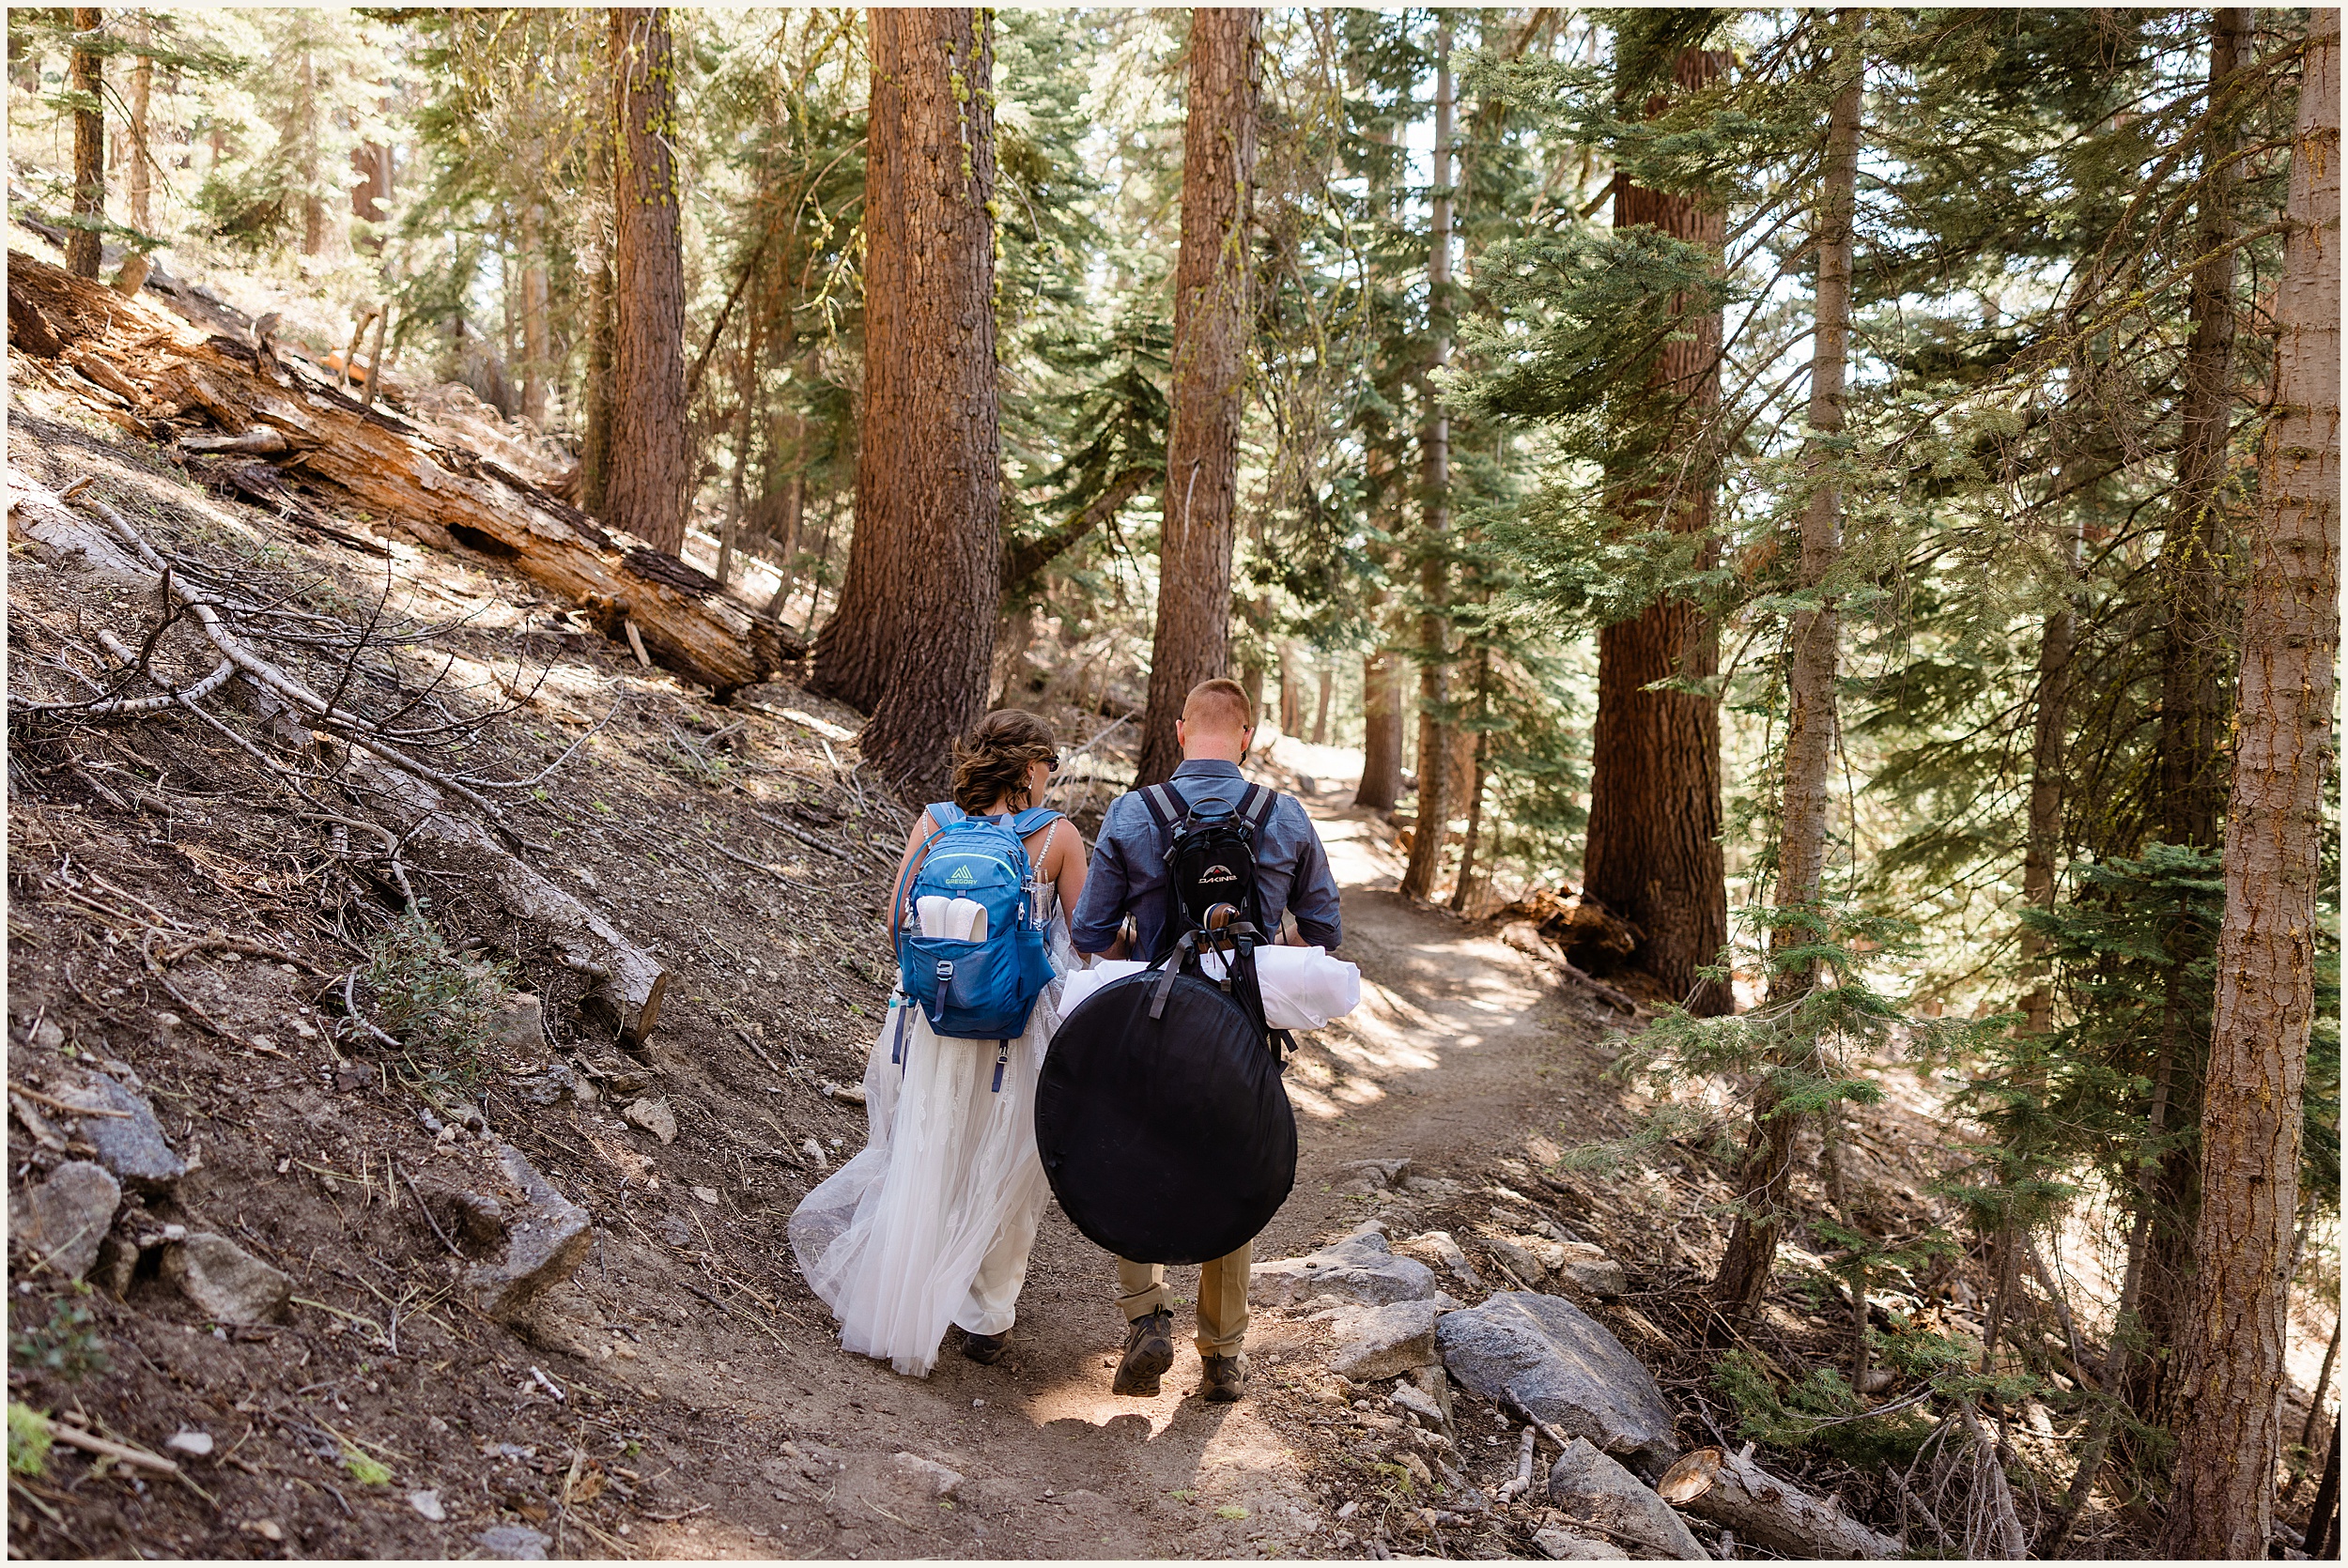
(931, 1224)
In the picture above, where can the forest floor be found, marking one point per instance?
(684, 1394)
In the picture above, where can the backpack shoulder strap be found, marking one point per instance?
(1255, 807)
(1165, 805)
(946, 813)
(1032, 819)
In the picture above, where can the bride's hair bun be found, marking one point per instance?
(992, 761)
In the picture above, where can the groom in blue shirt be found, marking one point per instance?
(1128, 877)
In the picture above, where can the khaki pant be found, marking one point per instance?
(1221, 1297)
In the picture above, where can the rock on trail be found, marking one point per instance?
(1563, 1365)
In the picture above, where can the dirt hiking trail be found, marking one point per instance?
(1458, 1042)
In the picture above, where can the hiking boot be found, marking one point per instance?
(1226, 1379)
(1148, 1352)
(985, 1349)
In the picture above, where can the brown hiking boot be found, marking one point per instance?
(985, 1349)
(1149, 1351)
(1226, 1379)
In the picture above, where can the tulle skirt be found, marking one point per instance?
(931, 1224)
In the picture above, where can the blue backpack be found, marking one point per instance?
(981, 990)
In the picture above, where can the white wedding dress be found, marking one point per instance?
(931, 1224)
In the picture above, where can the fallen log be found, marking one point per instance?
(372, 460)
(1735, 1492)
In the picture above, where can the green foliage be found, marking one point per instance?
(364, 1468)
(1820, 1412)
(28, 1440)
(66, 1345)
(438, 1006)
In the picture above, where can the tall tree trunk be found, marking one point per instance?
(142, 156)
(913, 633)
(794, 510)
(313, 209)
(2193, 719)
(1212, 323)
(1381, 733)
(2050, 720)
(1460, 893)
(1292, 689)
(1434, 627)
(371, 197)
(537, 347)
(649, 490)
(746, 398)
(2231, 1367)
(1327, 683)
(594, 451)
(86, 70)
(1744, 1274)
(1652, 854)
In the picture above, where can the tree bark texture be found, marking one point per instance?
(649, 487)
(1744, 1274)
(1435, 796)
(1212, 325)
(1652, 854)
(2192, 706)
(142, 95)
(2049, 721)
(2230, 1364)
(594, 447)
(1326, 677)
(537, 343)
(912, 636)
(1381, 733)
(86, 76)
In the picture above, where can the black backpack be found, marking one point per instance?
(1210, 858)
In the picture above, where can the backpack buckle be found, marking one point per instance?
(945, 986)
(1002, 1060)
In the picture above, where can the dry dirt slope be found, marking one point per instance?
(176, 925)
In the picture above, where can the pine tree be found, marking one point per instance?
(87, 84)
(1212, 318)
(647, 485)
(913, 636)
(2232, 1357)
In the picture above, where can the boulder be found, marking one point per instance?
(1361, 1268)
(225, 1281)
(65, 1220)
(547, 1238)
(131, 1144)
(1384, 1341)
(1592, 1490)
(1563, 1365)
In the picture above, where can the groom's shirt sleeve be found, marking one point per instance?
(1102, 908)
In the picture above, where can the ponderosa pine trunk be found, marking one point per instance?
(86, 76)
(2230, 1375)
(2190, 769)
(913, 635)
(594, 447)
(537, 344)
(142, 96)
(1816, 635)
(1434, 572)
(1326, 679)
(648, 489)
(1213, 325)
(1381, 733)
(1652, 854)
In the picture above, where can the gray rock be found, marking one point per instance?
(1563, 1365)
(1591, 1489)
(1563, 1545)
(117, 1262)
(547, 1238)
(1588, 1268)
(1409, 1396)
(428, 1505)
(65, 1218)
(1373, 1174)
(520, 1024)
(131, 1145)
(1440, 1246)
(513, 1543)
(653, 1116)
(225, 1281)
(928, 1476)
(1358, 1268)
(1384, 1341)
(1519, 1259)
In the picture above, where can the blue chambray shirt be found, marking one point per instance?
(1128, 872)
